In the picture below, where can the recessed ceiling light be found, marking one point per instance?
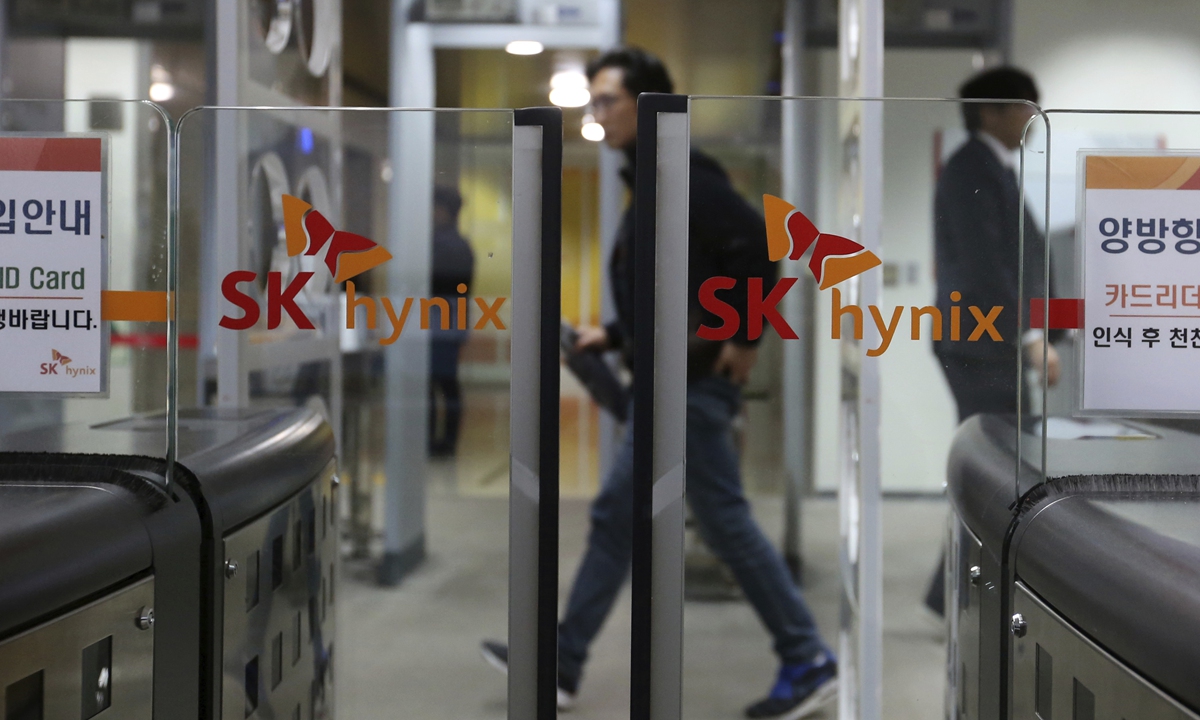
(524, 47)
(570, 97)
(571, 79)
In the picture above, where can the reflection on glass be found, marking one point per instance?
(359, 263)
(906, 337)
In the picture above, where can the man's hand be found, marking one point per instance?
(591, 338)
(736, 361)
(1053, 368)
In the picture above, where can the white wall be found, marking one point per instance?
(917, 411)
(1106, 54)
(1111, 54)
(110, 69)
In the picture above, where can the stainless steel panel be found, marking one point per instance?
(524, 492)
(963, 666)
(271, 652)
(56, 649)
(670, 414)
(1114, 690)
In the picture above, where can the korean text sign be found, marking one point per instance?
(52, 263)
(1140, 230)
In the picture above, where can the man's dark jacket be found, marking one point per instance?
(726, 236)
(453, 262)
(977, 233)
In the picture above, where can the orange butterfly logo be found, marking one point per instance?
(59, 357)
(834, 258)
(308, 232)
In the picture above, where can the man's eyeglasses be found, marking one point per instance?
(605, 102)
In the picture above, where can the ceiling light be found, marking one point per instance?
(524, 47)
(568, 88)
(568, 79)
(161, 91)
(570, 97)
(593, 131)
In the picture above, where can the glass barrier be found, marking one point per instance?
(888, 299)
(85, 276)
(384, 268)
(1120, 280)
(1102, 544)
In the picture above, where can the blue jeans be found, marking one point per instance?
(714, 491)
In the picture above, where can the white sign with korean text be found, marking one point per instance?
(52, 264)
(1140, 245)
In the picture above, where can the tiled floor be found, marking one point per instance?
(412, 651)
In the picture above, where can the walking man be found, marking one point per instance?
(726, 237)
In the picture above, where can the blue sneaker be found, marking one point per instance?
(496, 654)
(800, 690)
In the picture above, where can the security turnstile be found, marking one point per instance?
(101, 603)
(213, 532)
(1080, 599)
(234, 566)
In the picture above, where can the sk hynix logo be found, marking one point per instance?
(834, 259)
(60, 361)
(308, 232)
(789, 234)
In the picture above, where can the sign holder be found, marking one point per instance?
(1136, 226)
(35, 170)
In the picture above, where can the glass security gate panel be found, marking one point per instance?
(1098, 162)
(86, 274)
(300, 367)
(1118, 505)
(874, 263)
(396, 273)
(94, 526)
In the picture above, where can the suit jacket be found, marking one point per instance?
(977, 249)
(453, 262)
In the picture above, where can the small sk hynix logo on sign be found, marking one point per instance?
(60, 362)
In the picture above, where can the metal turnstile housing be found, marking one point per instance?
(1099, 567)
(80, 526)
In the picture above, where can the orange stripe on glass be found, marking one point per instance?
(133, 305)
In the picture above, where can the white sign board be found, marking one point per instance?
(1139, 235)
(53, 239)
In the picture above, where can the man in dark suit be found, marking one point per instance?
(977, 225)
(453, 268)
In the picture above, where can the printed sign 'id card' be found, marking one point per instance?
(1139, 234)
(53, 240)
